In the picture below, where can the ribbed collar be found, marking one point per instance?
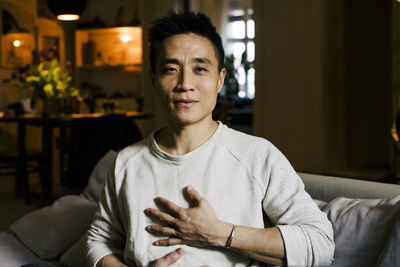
(179, 159)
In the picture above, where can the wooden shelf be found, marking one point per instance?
(114, 46)
(125, 68)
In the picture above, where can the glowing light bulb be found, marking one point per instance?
(68, 17)
(17, 43)
(125, 38)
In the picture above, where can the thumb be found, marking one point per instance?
(194, 196)
(169, 259)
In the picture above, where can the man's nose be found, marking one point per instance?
(186, 81)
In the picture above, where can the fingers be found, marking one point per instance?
(161, 230)
(171, 206)
(162, 216)
(193, 194)
(169, 259)
(168, 242)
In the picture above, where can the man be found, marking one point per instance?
(216, 196)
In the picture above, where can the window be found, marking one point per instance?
(240, 42)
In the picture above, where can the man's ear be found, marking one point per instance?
(221, 79)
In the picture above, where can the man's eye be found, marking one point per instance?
(201, 69)
(169, 70)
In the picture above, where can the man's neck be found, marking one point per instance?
(181, 139)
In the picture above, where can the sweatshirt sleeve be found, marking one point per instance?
(106, 233)
(306, 231)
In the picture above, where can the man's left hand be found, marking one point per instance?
(170, 258)
(194, 226)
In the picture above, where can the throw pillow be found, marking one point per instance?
(98, 176)
(75, 255)
(320, 204)
(50, 231)
(361, 228)
(390, 256)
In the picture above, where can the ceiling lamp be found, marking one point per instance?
(67, 10)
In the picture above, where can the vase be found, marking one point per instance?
(68, 105)
(49, 107)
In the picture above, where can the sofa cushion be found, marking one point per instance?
(390, 256)
(361, 228)
(98, 176)
(13, 252)
(50, 231)
(75, 255)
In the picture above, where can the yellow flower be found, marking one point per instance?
(46, 75)
(56, 73)
(49, 80)
(32, 78)
(48, 89)
(61, 86)
(74, 92)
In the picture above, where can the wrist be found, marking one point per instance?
(231, 236)
(224, 230)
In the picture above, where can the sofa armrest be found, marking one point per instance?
(13, 252)
(326, 188)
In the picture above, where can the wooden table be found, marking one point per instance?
(47, 124)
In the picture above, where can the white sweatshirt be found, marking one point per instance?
(239, 174)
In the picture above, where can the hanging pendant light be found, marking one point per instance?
(67, 10)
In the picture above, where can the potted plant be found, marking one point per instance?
(231, 84)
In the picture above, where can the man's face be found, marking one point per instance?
(187, 78)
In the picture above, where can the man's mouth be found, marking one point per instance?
(185, 103)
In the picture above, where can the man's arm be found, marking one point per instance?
(106, 234)
(199, 226)
(110, 260)
(266, 244)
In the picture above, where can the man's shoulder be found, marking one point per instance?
(242, 145)
(134, 148)
(242, 141)
(132, 151)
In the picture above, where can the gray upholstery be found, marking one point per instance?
(14, 254)
(51, 230)
(326, 188)
(13, 250)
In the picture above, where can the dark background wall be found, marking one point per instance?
(324, 92)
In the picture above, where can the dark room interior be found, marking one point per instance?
(318, 79)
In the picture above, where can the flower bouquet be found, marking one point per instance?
(51, 83)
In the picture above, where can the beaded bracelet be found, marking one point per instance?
(228, 243)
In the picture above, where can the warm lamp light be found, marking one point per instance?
(126, 38)
(131, 39)
(114, 46)
(67, 10)
(68, 17)
(17, 43)
(17, 49)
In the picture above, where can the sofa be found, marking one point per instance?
(365, 217)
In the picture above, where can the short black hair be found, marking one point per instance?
(184, 22)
